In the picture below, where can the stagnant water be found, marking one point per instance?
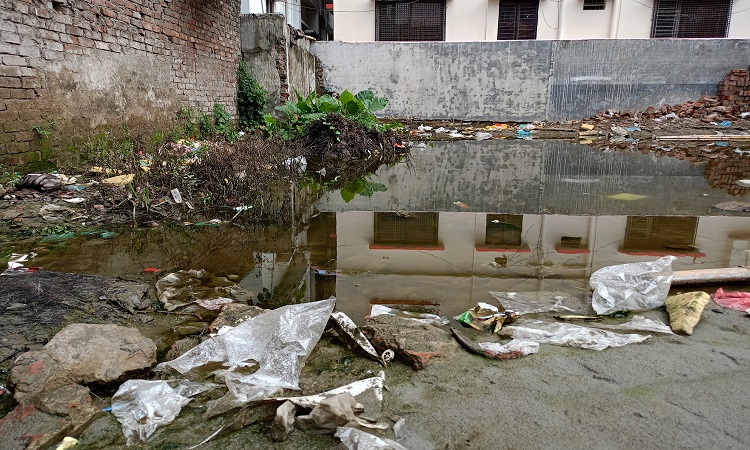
(457, 220)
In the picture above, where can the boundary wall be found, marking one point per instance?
(529, 80)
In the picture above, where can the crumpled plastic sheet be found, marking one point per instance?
(347, 325)
(734, 300)
(429, 319)
(277, 343)
(633, 287)
(524, 346)
(142, 405)
(640, 323)
(538, 302)
(574, 335)
(355, 439)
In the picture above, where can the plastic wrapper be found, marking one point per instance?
(355, 439)
(276, 343)
(347, 325)
(734, 300)
(633, 287)
(539, 302)
(430, 319)
(640, 323)
(574, 336)
(141, 405)
(521, 346)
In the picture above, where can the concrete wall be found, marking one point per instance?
(476, 20)
(92, 66)
(530, 80)
(280, 62)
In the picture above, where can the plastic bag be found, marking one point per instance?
(355, 439)
(537, 302)
(523, 346)
(276, 342)
(574, 336)
(430, 319)
(141, 405)
(735, 300)
(632, 287)
(640, 323)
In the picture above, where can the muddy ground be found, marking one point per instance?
(668, 392)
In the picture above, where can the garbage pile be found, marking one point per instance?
(708, 109)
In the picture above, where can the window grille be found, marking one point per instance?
(406, 229)
(503, 229)
(590, 5)
(691, 18)
(420, 20)
(517, 20)
(660, 233)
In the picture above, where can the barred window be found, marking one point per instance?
(421, 20)
(517, 20)
(589, 5)
(691, 18)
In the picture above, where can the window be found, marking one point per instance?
(590, 5)
(661, 233)
(420, 20)
(517, 20)
(503, 229)
(406, 228)
(691, 18)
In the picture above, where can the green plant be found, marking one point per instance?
(222, 123)
(251, 99)
(305, 110)
(8, 176)
(44, 131)
(361, 186)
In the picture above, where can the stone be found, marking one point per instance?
(233, 314)
(85, 354)
(685, 310)
(181, 346)
(415, 343)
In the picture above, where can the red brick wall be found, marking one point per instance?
(94, 65)
(734, 89)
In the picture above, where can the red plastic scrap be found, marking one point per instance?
(151, 270)
(735, 300)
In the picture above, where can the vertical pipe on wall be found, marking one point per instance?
(560, 21)
(614, 23)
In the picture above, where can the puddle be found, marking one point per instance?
(458, 220)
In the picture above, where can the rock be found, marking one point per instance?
(83, 353)
(181, 288)
(181, 346)
(414, 343)
(232, 314)
(128, 295)
(685, 310)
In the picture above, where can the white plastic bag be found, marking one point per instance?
(574, 336)
(538, 302)
(355, 439)
(632, 287)
(430, 319)
(640, 323)
(141, 405)
(526, 347)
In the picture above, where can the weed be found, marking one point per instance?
(8, 176)
(251, 99)
(44, 131)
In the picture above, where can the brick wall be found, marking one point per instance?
(724, 174)
(734, 89)
(95, 65)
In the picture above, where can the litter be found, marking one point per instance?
(141, 405)
(743, 183)
(423, 128)
(336, 411)
(276, 343)
(15, 264)
(734, 300)
(744, 115)
(67, 442)
(74, 200)
(176, 195)
(482, 136)
(431, 319)
(725, 123)
(348, 326)
(214, 304)
(297, 164)
(527, 126)
(586, 127)
(685, 310)
(120, 180)
(633, 287)
(488, 316)
(41, 181)
(574, 336)
(523, 134)
(640, 323)
(522, 347)
(355, 439)
(538, 302)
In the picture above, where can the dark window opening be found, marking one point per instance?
(406, 228)
(503, 229)
(421, 20)
(517, 20)
(591, 5)
(691, 18)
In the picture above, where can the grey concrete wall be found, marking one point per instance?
(280, 63)
(530, 80)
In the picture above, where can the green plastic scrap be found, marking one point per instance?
(464, 318)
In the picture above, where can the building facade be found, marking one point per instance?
(314, 17)
(488, 20)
